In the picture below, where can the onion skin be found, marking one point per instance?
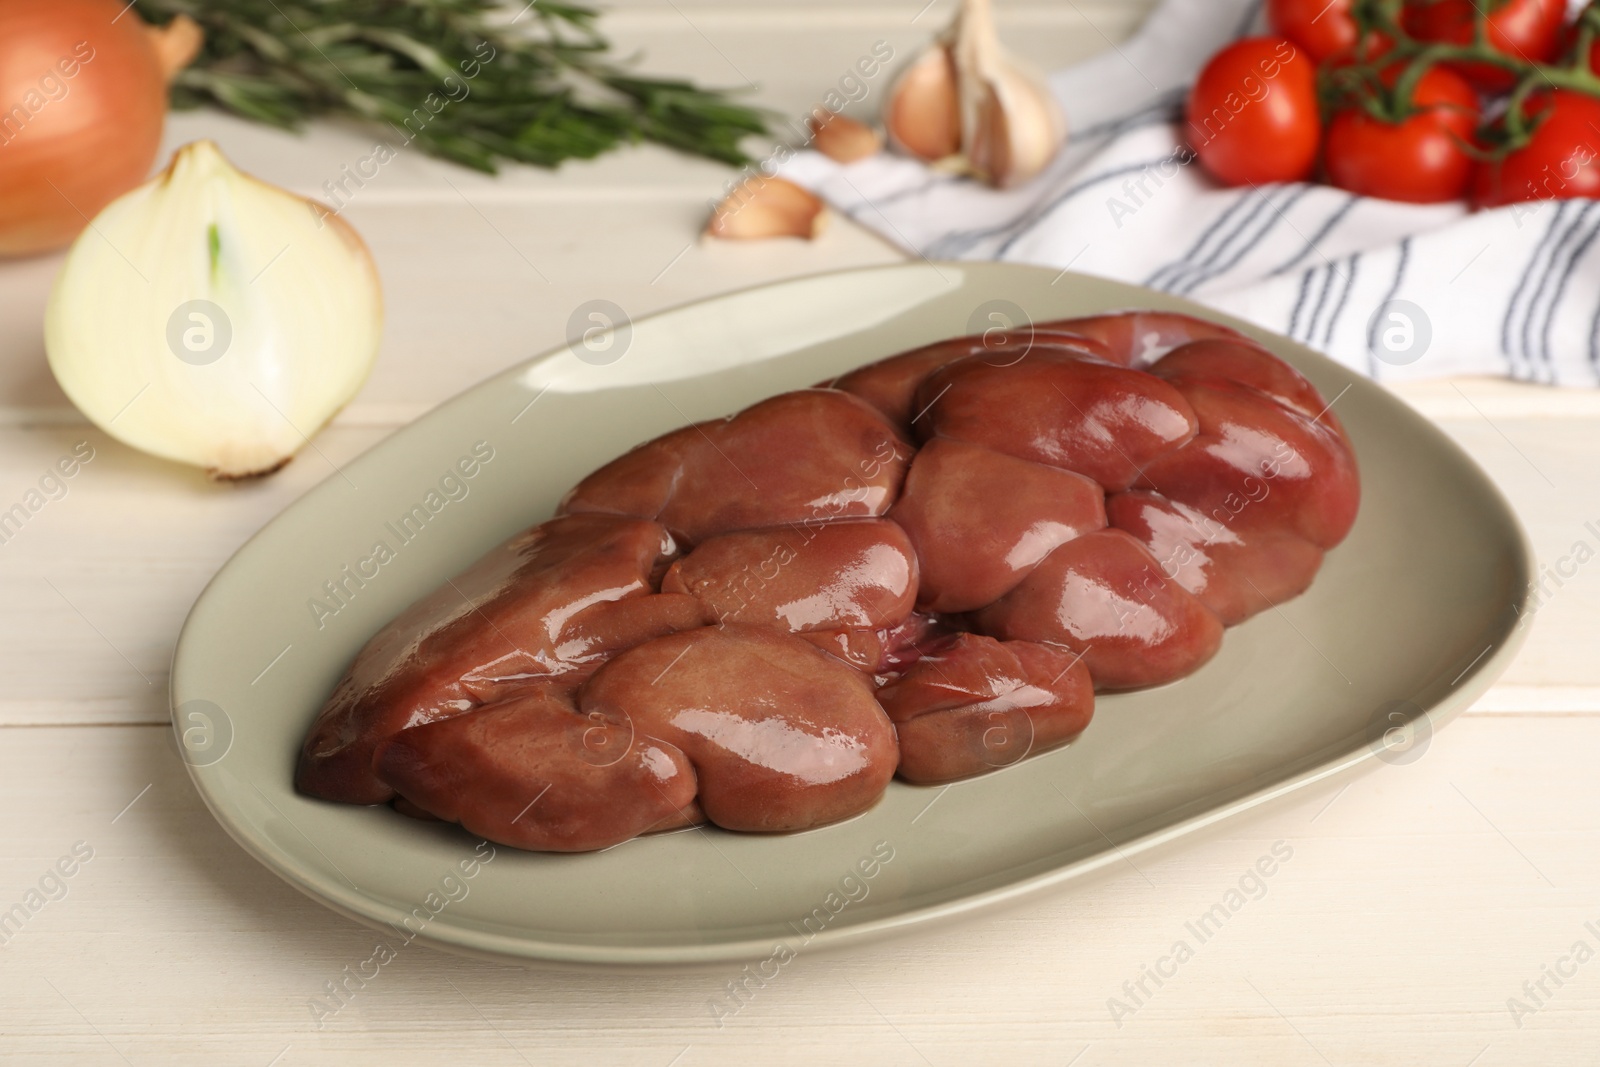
(85, 139)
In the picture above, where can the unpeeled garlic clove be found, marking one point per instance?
(767, 207)
(924, 112)
(1016, 132)
(211, 318)
(843, 139)
(967, 104)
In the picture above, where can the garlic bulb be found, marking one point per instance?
(211, 318)
(968, 106)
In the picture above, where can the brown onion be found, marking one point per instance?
(83, 95)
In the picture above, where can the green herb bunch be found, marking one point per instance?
(473, 81)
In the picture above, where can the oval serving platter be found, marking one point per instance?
(1409, 621)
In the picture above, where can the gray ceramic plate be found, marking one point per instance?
(1408, 622)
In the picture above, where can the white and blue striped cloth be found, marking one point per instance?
(1398, 291)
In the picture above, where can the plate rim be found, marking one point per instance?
(502, 947)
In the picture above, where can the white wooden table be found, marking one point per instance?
(1417, 903)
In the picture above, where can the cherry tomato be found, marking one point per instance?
(1419, 160)
(1253, 113)
(1369, 49)
(1561, 161)
(1529, 30)
(1321, 27)
(1569, 44)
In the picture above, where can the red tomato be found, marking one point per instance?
(1253, 113)
(1370, 49)
(1321, 27)
(1419, 160)
(1524, 29)
(1569, 42)
(1561, 161)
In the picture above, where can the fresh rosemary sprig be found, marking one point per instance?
(470, 80)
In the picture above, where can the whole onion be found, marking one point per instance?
(83, 94)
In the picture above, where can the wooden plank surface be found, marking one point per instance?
(1416, 904)
(1412, 906)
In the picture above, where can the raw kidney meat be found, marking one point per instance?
(926, 568)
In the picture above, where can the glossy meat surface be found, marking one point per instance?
(783, 736)
(890, 385)
(978, 704)
(977, 543)
(860, 575)
(925, 568)
(1096, 419)
(812, 455)
(553, 602)
(533, 773)
(1104, 596)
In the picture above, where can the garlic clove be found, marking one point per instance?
(924, 111)
(843, 139)
(968, 106)
(1017, 130)
(213, 319)
(767, 207)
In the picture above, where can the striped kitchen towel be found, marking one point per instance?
(1399, 291)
